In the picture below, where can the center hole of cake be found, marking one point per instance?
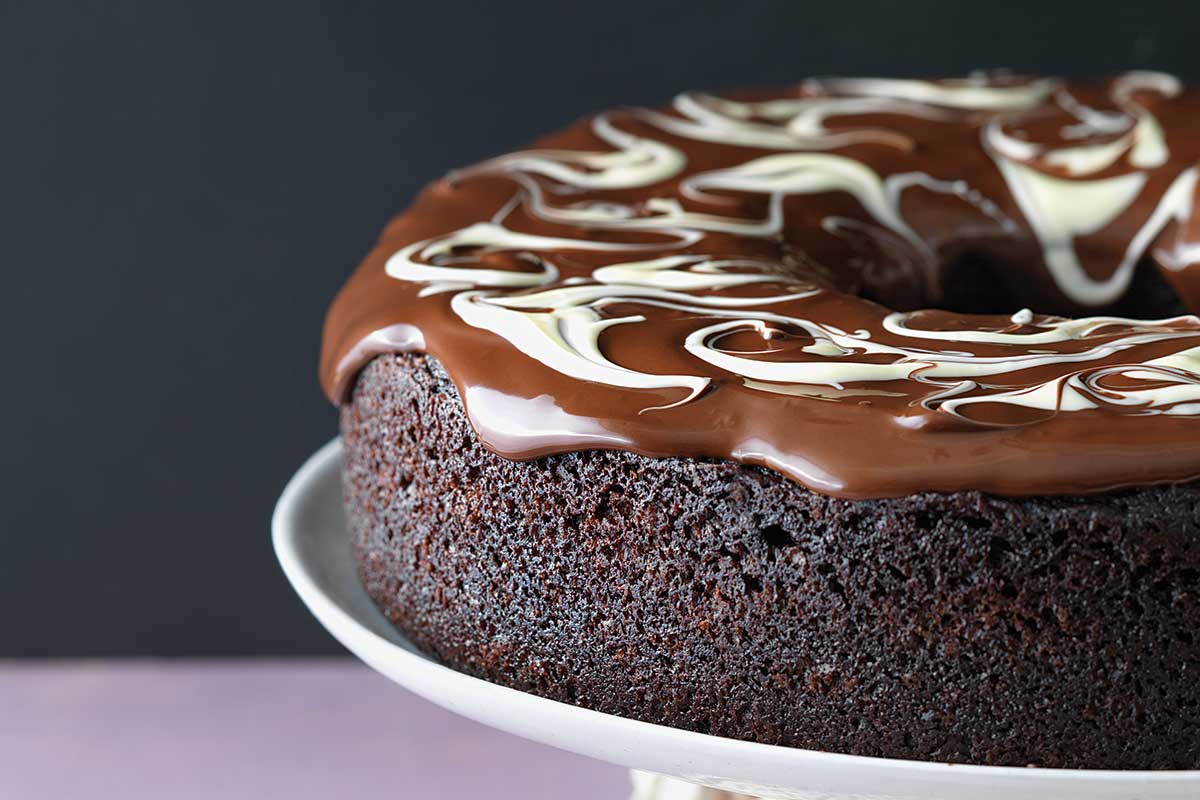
(973, 285)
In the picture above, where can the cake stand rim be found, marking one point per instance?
(310, 543)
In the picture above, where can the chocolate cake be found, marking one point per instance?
(734, 416)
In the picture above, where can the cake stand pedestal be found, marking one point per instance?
(652, 786)
(312, 545)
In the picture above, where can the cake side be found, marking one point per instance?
(726, 599)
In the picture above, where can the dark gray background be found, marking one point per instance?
(184, 187)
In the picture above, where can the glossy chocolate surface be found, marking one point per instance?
(736, 277)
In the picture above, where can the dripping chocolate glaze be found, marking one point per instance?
(720, 278)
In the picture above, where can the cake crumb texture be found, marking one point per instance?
(726, 599)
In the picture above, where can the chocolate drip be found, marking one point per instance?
(719, 279)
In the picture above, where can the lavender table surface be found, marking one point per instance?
(295, 729)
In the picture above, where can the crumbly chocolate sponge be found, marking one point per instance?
(726, 599)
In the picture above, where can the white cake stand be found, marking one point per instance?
(312, 546)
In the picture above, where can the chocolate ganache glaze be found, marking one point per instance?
(721, 278)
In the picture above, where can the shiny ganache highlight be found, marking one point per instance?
(724, 277)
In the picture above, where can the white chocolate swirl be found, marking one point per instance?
(635, 162)
(1099, 164)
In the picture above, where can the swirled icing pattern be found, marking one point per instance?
(720, 278)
